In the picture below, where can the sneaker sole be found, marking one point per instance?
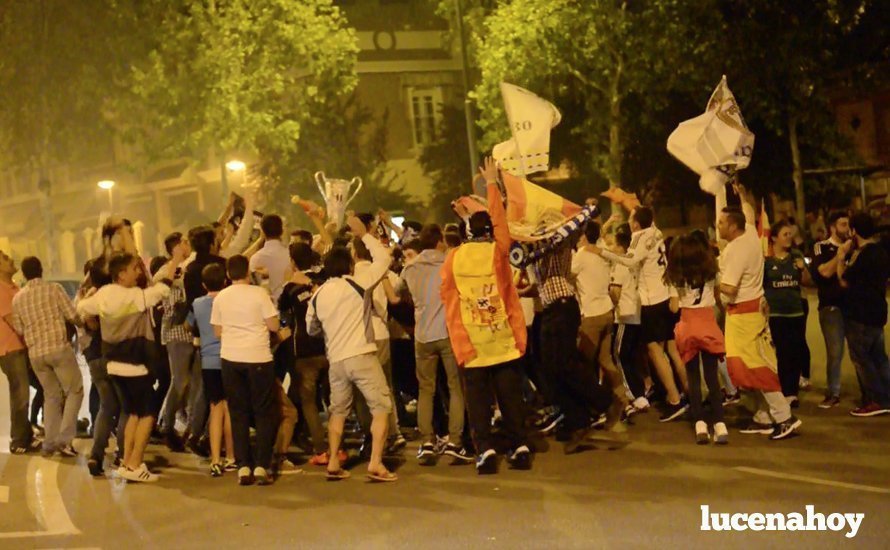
(787, 432)
(458, 457)
(702, 439)
(869, 414)
(676, 414)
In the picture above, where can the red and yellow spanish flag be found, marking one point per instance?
(763, 230)
(532, 211)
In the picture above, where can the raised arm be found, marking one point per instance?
(241, 239)
(502, 240)
(380, 259)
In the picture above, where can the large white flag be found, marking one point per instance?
(715, 144)
(531, 119)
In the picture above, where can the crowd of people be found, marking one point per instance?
(237, 351)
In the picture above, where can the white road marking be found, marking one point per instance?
(813, 480)
(45, 501)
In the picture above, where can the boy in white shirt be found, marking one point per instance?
(342, 309)
(242, 317)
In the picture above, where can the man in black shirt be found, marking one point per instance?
(865, 313)
(831, 319)
(307, 352)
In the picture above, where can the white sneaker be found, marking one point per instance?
(701, 433)
(141, 475)
(641, 403)
(721, 434)
(804, 383)
(286, 467)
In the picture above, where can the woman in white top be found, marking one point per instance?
(691, 273)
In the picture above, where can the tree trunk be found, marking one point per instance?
(614, 171)
(796, 172)
(615, 145)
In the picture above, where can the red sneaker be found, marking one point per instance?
(872, 409)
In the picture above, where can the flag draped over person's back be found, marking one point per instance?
(716, 144)
(531, 119)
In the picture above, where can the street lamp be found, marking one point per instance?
(235, 166)
(108, 185)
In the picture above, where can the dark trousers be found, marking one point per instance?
(790, 338)
(631, 355)
(162, 372)
(15, 366)
(109, 411)
(869, 355)
(483, 385)
(250, 390)
(37, 402)
(715, 396)
(576, 385)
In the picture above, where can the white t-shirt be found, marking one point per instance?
(241, 310)
(592, 277)
(646, 253)
(741, 265)
(693, 298)
(628, 310)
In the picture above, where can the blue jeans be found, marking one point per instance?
(832, 322)
(870, 358)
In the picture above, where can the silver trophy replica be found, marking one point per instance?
(336, 195)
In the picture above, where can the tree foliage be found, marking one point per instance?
(592, 57)
(236, 75)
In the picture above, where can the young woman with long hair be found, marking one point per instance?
(691, 272)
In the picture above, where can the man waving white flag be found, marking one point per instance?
(531, 119)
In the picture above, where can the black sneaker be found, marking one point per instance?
(784, 429)
(426, 454)
(672, 412)
(521, 458)
(549, 422)
(396, 444)
(830, 402)
(95, 467)
(194, 445)
(174, 443)
(757, 428)
(487, 463)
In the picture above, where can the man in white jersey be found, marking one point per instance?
(750, 355)
(647, 253)
(629, 354)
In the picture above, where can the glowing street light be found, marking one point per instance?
(108, 185)
(235, 166)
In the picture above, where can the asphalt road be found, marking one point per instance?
(649, 494)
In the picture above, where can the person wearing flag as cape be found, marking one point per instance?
(487, 329)
(750, 354)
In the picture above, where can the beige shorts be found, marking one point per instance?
(365, 372)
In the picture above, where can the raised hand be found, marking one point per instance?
(489, 170)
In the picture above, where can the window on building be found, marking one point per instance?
(425, 104)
